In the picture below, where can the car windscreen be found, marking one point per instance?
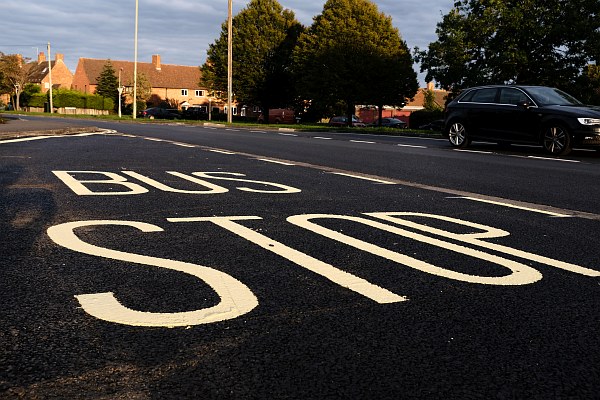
(550, 96)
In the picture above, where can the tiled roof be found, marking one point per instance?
(419, 99)
(38, 71)
(169, 75)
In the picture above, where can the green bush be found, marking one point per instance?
(71, 98)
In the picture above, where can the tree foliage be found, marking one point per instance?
(108, 83)
(264, 35)
(353, 53)
(545, 42)
(13, 72)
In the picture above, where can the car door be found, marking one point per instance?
(517, 117)
(481, 113)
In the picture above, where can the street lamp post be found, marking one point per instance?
(135, 54)
(229, 61)
(120, 89)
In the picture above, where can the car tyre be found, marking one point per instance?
(457, 135)
(557, 140)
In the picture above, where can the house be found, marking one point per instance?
(176, 84)
(39, 73)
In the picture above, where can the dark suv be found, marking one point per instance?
(522, 114)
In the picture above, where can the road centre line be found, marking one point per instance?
(366, 178)
(222, 151)
(362, 141)
(286, 134)
(258, 131)
(275, 161)
(412, 146)
(498, 203)
(553, 159)
(322, 138)
(184, 144)
(474, 151)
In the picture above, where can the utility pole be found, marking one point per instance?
(50, 77)
(229, 61)
(135, 51)
(120, 90)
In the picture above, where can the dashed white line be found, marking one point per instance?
(553, 159)
(184, 145)
(222, 152)
(274, 161)
(364, 178)
(412, 145)
(474, 151)
(287, 134)
(362, 141)
(322, 138)
(258, 131)
(498, 203)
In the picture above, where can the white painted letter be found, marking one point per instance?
(213, 189)
(520, 274)
(114, 179)
(236, 298)
(328, 271)
(475, 239)
(285, 188)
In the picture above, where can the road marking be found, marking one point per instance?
(258, 131)
(322, 138)
(154, 139)
(499, 203)
(553, 159)
(362, 141)
(274, 161)
(183, 144)
(412, 145)
(222, 152)
(286, 134)
(474, 151)
(364, 178)
(232, 130)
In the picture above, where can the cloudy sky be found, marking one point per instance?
(179, 30)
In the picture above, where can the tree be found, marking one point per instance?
(544, 42)
(353, 53)
(14, 73)
(108, 83)
(264, 35)
(143, 90)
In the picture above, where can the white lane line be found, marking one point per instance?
(153, 139)
(498, 203)
(274, 161)
(322, 138)
(364, 178)
(27, 139)
(412, 145)
(232, 130)
(222, 152)
(362, 141)
(474, 151)
(553, 159)
(184, 144)
(286, 134)
(258, 131)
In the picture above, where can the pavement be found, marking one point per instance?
(16, 127)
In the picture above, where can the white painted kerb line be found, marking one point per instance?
(514, 206)
(364, 178)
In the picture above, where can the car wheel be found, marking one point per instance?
(457, 135)
(557, 140)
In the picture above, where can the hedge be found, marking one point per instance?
(72, 98)
(423, 117)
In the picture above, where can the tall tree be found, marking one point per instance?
(108, 83)
(264, 35)
(14, 73)
(353, 53)
(546, 42)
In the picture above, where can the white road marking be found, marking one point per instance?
(274, 161)
(412, 145)
(183, 144)
(512, 206)
(364, 178)
(474, 151)
(154, 139)
(322, 138)
(258, 131)
(362, 141)
(553, 159)
(222, 152)
(286, 134)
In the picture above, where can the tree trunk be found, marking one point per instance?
(379, 115)
(350, 113)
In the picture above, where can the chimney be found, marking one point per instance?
(41, 57)
(60, 57)
(156, 61)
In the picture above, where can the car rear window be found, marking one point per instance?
(487, 95)
(512, 96)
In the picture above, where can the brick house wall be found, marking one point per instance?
(62, 77)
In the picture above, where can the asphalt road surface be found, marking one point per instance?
(187, 262)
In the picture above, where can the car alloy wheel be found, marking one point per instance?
(457, 135)
(557, 140)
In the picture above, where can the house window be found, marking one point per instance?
(199, 93)
(184, 92)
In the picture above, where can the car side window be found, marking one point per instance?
(487, 95)
(512, 96)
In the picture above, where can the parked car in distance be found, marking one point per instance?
(436, 125)
(195, 113)
(537, 115)
(343, 121)
(390, 123)
(159, 113)
(279, 116)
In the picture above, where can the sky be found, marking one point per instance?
(179, 30)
